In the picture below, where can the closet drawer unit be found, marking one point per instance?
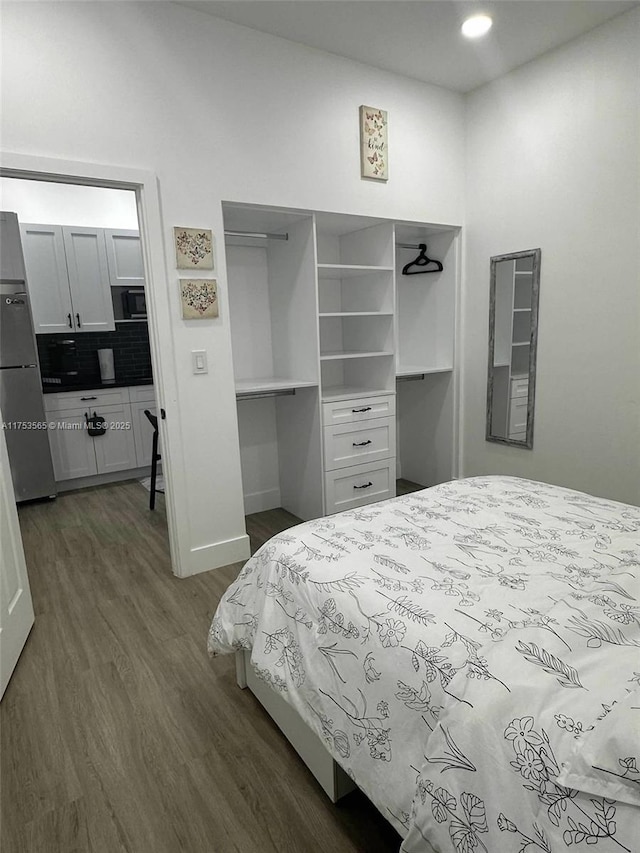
(367, 408)
(142, 394)
(517, 416)
(519, 388)
(356, 443)
(346, 488)
(90, 399)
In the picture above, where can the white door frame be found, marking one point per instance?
(159, 305)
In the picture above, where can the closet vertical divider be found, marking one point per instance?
(294, 329)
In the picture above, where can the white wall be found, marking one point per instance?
(218, 112)
(47, 203)
(553, 160)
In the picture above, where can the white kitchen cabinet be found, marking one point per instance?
(72, 448)
(123, 447)
(142, 432)
(47, 277)
(68, 278)
(124, 258)
(116, 449)
(86, 256)
(143, 397)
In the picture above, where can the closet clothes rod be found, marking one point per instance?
(259, 395)
(407, 245)
(260, 234)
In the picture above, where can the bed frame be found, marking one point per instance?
(327, 772)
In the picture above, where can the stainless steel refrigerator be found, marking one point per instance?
(20, 384)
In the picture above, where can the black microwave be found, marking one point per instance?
(134, 304)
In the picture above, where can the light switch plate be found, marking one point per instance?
(199, 361)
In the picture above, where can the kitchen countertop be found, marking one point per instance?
(93, 385)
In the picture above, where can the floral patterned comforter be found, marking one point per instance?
(452, 647)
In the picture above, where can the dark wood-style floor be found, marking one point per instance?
(118, 733)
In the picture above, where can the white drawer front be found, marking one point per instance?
(355, 443)
(142, 394)
(519, 388)
(367, 408)
(518, 415)
(77, 399)
(363, 484)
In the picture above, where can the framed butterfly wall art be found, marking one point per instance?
(374, 151)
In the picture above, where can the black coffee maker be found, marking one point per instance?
(64, 361)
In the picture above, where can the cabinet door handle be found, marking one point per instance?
(366, 485)
(88, 398)
(70, 321)
(78, 319)
(361, 443)
(366, 409)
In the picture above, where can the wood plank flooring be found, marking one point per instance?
(118, 733)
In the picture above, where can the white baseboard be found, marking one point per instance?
(217, 554)
(102, 479)
(261, 501)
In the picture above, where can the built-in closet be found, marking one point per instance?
(343, 366)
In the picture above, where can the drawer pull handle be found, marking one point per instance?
(88, 398)
(366, 409)
(366, 486)
(69, 319)
(361, 443)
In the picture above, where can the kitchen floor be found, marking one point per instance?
(118, 733)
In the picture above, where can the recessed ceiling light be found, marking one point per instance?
(476, 26)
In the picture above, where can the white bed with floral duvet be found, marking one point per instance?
(469, 654)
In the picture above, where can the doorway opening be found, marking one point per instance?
(92, 304)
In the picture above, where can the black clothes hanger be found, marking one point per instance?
(422, 261)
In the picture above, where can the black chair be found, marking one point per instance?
(155, 458)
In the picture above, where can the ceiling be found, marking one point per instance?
(421, 38)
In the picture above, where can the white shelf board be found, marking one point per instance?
(333, 356)
(520, 343)
(523, 272)
(338, 271)
(356, 314)
(413, 370)
(521, 310)
(334, 393)
(270, 383)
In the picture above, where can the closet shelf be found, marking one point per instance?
(333, 356)
(356, 314)
(335, 393)
(520, 343)
(412, 370)
(338, 271)
(270, 383)
(521, 310)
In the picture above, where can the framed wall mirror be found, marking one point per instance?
(513, 336)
